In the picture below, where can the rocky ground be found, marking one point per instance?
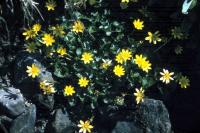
(23, 109)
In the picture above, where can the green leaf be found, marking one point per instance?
(147, 82)
(61, 72)
(115, 23)
(92, 2)
(194, 3)
(92, 105)
(78, 51)
(123, 5)
(91, 30)
(71, 102)
(144, 82)
(108, 33)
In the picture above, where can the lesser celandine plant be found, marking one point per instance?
(95, 61)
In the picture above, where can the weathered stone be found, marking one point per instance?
(61, 123)
(150, 117)
(24, 60)
(2, 60)
(40, 126)
(11, 102)
(25, 123)
(45, 100)
(126, 127)
(28, 86)
(153, 117)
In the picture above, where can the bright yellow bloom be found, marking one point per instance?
(47, 88)
(50, 5)
(166, 76)
(119, 70)
(119, 58)
(62, 51)
(48, 40)
(83, 82)
(36, 28)
(139, 95)
(146, 66)
(142, 63)
(33, 71)
(123, 56)
(69, 90)
(126, 54)
(125, 1)
(85, 126)
(87, 57)
(138, 24)
(78, 27)
(184, 82)
(106, 63)
(139, 59)
(153, 37)
(29, 34)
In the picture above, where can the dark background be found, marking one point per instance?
(183, 105)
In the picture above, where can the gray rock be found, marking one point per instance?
(25, 123)
(2, 60)
(40, 126)
(61, 123)
(28, 86)
(24, 60)
(126, 127)
(5, 80)
(11, 101)
(150, 117)
(153, 117)
(45, 100)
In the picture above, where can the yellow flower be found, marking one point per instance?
(87, 57)
(69, 90)
(184, 82)
(139, 95)
(85, 126)
(36, 28)
(78, 27)
(153, 37)
(33, 71)
(123, 56)
(58, 31)
(166, 76)
(62, 51)
(50, 5)
(83, 82)
(125, 1)
(138, 24)
(29, 34)
(139, 59)
(119, 58)
(48, 40)
(149, 37)
(142, 63)
(146, 66)
(119, 70)
(126, 54)
(106, 63)
(47, 87)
